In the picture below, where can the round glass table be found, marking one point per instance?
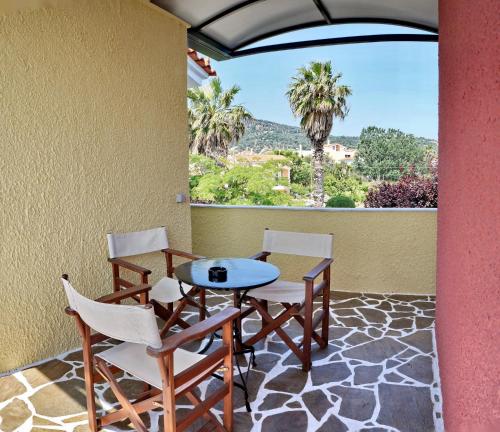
(242, 275)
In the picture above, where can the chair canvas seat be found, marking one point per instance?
(167, 290)
(133, 359)
(280, 291)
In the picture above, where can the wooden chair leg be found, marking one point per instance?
(264, 306)
(308, 317)
(88, 366)
(227, 337)
(325, 326)
(203, 303)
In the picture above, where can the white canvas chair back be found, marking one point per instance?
(137, 242)
(295, 243)
(133, 324)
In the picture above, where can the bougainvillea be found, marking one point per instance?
(409, 191)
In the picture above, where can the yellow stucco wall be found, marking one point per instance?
(374, 251)
(92, 139)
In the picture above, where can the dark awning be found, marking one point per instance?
(224, 29)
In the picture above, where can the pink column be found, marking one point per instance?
(468, 293)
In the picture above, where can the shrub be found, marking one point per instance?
(341, 201)
(410, 191)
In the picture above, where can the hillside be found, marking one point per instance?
(263, 134)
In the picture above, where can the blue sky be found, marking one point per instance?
(393, 84)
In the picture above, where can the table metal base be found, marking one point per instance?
(243, 348)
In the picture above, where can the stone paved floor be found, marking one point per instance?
(379, 373)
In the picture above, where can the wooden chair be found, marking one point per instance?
(295, 296)
(168, 371)
(166, 290)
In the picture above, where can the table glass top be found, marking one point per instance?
(242, 273)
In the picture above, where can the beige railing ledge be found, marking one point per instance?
(386, 250)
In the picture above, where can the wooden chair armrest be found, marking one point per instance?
(195, 332)
(260, 256)
(320, 268)
(183, 254)
(124, 293)
(130, 266)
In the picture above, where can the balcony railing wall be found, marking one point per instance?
(375, 250)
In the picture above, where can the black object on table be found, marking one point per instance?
(242, 275)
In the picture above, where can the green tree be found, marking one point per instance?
(388, 154)
(341, 180)
(214, 120)
(248, 185)
(316, 97)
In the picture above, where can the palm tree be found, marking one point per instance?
(214, 121)
(316, 97)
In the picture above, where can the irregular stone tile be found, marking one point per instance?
(424, 305)
(421, 339)
(393, 333)
(329, 373)
(342, 295)
(375, 351)
(373, 332)
(266, 361)
(293, 405)
(46, 372)
(401, 323)
(335, 357)
(357, 338)
(132, 389)
(274, 400)
(352, 322)
(393, 377)
(373, 315)
(429, 313)
(407, 354)
(242, 421)
(317, 354)
(373, 429)
(346, 312)
(60, 399)
(333, 424)
(366, 374)
(14, 415)
(285, 422)
(374, 296)
(74, 356)
(403, 308)
(406, 408)
(357, 404)
(401, 314)
(10, 386)
(354, 303)
(338, 332)
(422, 322)
(317, 403)
(392, 363)
(251, 326)
(372, 302)
(291, 380)
(277, 347)
(39, 421)
(76, 419)
(385, 306)
(419, 368)
(406, 297)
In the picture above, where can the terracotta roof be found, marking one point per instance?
(202, 62)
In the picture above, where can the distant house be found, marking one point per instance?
(255, 159)
(199, 69)
(336, 152)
